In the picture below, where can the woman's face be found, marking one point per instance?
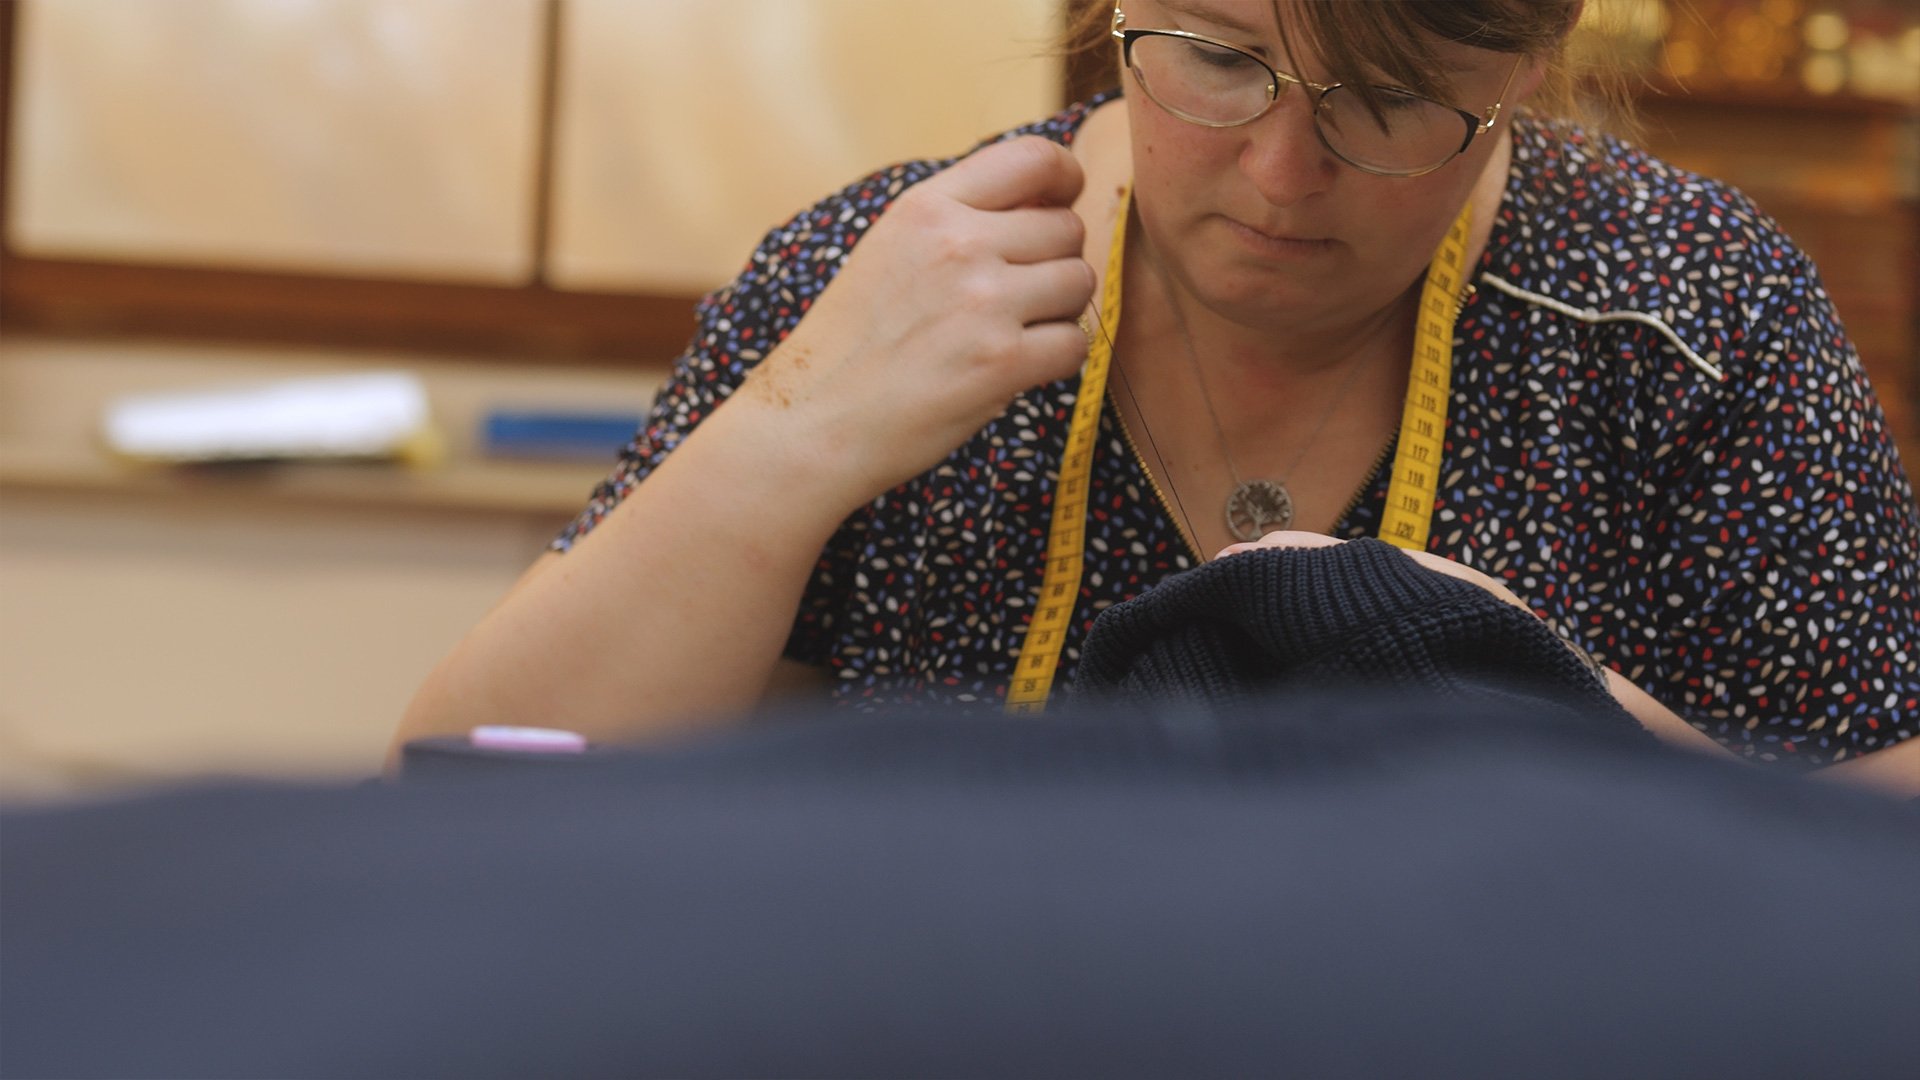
(1261, 222)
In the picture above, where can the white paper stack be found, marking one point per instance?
(363, 415)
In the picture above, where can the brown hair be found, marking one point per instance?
(1361, 40)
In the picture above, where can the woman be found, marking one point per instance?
(1652, 429)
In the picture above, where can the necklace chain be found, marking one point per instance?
(1257, 503)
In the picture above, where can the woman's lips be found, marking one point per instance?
(1292, 247)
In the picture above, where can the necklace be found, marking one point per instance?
(1258, 506)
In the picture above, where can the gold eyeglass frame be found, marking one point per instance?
(1476, 124)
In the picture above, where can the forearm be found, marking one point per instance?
(1664, 723)
(673, 609)
(1894, 770)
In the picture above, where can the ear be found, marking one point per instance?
(1533, 72)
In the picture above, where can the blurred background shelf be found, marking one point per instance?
(53, 392)
(161, 623)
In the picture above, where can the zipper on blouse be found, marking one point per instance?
(1179, 520)
(1467, 292)
(1366, 486)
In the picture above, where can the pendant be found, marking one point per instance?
(1257, 508)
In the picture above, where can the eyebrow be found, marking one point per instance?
(1219, 18)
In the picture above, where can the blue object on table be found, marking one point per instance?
(556, 434)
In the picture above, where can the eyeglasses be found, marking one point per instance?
(1214, 84)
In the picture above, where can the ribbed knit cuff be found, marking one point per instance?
(1359, 613)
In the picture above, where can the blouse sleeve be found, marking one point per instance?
(1787, 557)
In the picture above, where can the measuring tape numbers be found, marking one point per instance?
(1423, 421)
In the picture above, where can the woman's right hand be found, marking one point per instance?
(962, 295)
(673, 611)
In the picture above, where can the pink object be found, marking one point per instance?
(536, 740)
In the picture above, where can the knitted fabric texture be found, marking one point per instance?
(1355, 614)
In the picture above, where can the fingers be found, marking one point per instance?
(1443, 565)
(1052, 350)
(1026, 171)
(1439, 564)
(1045, 292)
(1037, 234)
(1293, 539)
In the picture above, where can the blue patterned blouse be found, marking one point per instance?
(1747, 550)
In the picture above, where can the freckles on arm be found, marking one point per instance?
(768, 382)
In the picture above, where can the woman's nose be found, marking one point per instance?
(1284, 157)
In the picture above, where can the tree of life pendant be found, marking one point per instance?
(1257, 508)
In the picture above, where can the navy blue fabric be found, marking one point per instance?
(1360, 613)
(1314, 886)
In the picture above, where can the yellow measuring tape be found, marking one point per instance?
(1066, 533)
(1423, 421)
(1423, 425)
